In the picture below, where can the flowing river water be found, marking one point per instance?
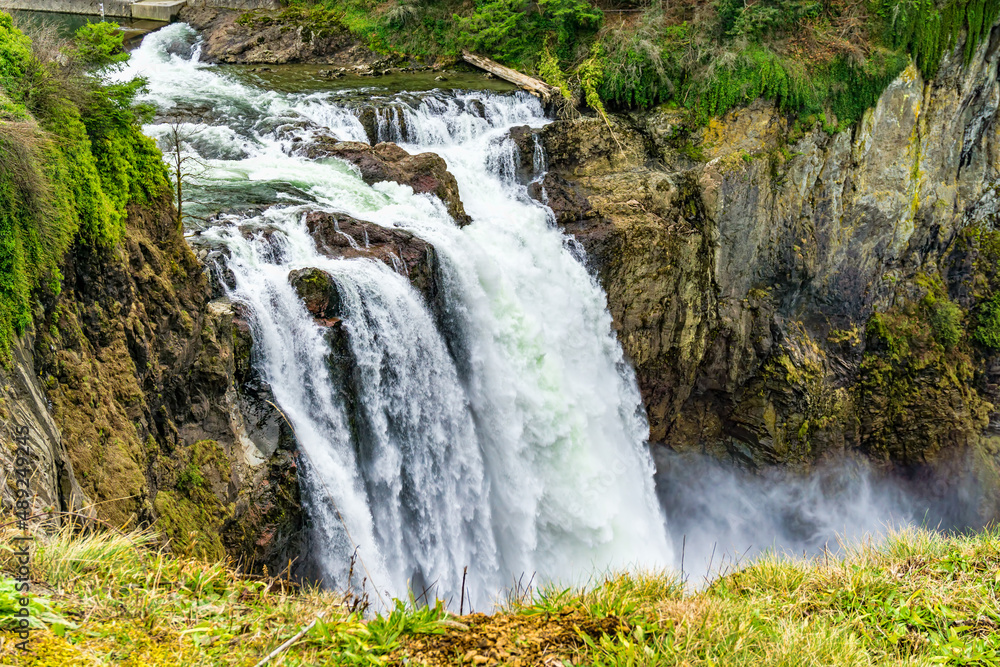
(498, 429)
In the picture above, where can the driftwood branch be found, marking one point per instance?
(291, 641)
(549, 94)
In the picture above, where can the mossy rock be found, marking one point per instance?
(189, 507)
(192, 527)
(318, 291)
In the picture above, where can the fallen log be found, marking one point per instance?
(549, 94)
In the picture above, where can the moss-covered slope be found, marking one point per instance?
(139, 366)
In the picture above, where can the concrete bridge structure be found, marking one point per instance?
(155, 10)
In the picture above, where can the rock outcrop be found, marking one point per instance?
(266, 38)
(34, 459)
(785, 294)
(426, 173)
(342, 236)
(156, 414)
(318, 292)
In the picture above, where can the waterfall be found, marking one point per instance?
(499, 428)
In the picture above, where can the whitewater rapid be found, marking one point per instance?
(498, 429)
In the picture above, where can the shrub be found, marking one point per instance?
(100, 45)
(763, 19)
(67, 174)
(15, 57)
(509, 31)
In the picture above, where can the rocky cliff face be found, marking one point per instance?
(29, 428)
(140, 406)
(785, 293)
(278, 37)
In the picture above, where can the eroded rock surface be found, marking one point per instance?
(269, 40)
(339, 235)
(426, 173)
(318, 292)
(783, 300)
(156, 412)
(33, 458)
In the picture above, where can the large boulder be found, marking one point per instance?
(425, 173)
(342, 236)
(318, 291)
(290, 36)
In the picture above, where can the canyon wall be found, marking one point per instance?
(786, 294)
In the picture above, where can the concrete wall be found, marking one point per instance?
(116, 8)
(236, 4)
(123, 8)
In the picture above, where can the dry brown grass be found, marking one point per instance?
(21, 146)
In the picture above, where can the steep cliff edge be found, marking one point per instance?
(132, 387)
(784, 294)
(143, 371)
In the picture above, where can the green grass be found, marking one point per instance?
(918, 598)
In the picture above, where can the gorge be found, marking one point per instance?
(431, 363)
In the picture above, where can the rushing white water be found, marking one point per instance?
(499, 429)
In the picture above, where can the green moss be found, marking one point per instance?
(15, 59)
(946, 321)
(915, 390)
(987, 331)
(189, 525)
(190, 515)
(320, 21)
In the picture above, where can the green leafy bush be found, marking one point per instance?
(641, 67)
(69, 168)
(15, 57)
(100, 45)
(511, 31)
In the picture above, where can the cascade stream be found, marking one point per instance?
(499, 428)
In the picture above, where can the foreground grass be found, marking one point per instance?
(918, 599)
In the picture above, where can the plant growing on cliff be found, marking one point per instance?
(928, 29)
(946, 321)
(74, 158)
(552, 74)
(511, 31)
(987, 331)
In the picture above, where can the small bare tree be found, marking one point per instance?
(183, 166)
